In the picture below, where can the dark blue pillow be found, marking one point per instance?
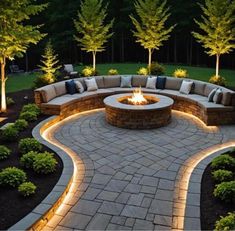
(161, 82)
(70, 87)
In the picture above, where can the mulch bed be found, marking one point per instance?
(211, 207)
(13, 207)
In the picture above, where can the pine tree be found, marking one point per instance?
(150, 28)
(50, 64)
(15, 34)
(92, 32)
(218, 31)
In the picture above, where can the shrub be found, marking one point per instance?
(21, 124)
(4, 152)
(142, 71)
(225, 191)
(223, 162)
(88, 71)
(27, 189)
(9, 101)
(28, 116)
(222, 175)
(32, 108)
(9, 134)
(29, 144)
(180, 73)
(157, 69)
(218, 80)
(27, 159)
(226, 223)
(40, 81)
(44, 163)
(113, 72)
(12, 176)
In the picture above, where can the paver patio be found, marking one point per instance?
(130, 175)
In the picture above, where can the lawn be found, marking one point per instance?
(25, 81)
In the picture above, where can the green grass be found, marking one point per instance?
(25, 81)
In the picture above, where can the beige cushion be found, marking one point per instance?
(100, 81)
(61, 100)
(91, 84)
(79, 86)
(173, 83)
(218, 96)
(199, 87)
(186, 87)
(208, 88)
(151, 82)
(126, 81)
(139, 81)
(48, 93)
(82, 81)
(60, 88)
(112, 81)
(215, 107)
(226, 98)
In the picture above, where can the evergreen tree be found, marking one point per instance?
(218, 31)
(50, 64)
(150, 29)
(15, 34)
(92, 33)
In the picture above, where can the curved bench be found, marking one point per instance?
(54, 100)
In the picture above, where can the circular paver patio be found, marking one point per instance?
(130, 175)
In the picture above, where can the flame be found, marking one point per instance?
(137, 97)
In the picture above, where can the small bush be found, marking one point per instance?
(28, 116)
(9, 134)
(142, 71)
(113, 72)
(222, 175)
(157, 69)
(180, 73)
(4, 152)
(40, 81)
(88, 71)
(21, 124)
(27, 159)
(218, 80)
(31, 108)
(223, 162)
(12, 176)
(44, 163)
(226, 223)
(27, 189)
(225, 191)
(29, 144)
(9, 101)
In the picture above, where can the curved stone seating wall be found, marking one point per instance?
(196, 103)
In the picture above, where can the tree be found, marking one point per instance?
(150, 29)
(15, 35)
(218, 31)
(49, 64)
(92, 33)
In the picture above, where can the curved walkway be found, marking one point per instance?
(130, 176)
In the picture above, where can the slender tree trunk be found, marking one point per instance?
(217, 65)
(94, 59)
(3, 86)
(150, 60)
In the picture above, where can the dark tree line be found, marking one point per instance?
(180, 48)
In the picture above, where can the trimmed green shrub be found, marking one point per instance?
(29, 144)
(4, 152)
(225, 191)
(21, 124)
(44, 163)
(157, 69)
(218, 80)
(222, 175)
(27, 159)
(9, 101)
(28, 116)
(223, 162)
(112, 72)
(32, 107)
(12, 176)
(226, 223)
(27, 189)
(9, 134)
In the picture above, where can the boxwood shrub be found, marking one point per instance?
(27, 189)
(225, 191)
(28, 116)
(21, 124)
(29, 144)
(4, 152)
(31, 108)
(224, 161)
(9, 134)
(27, 159)
(222, 175)
(226, 223)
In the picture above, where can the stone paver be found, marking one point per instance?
(130, 175)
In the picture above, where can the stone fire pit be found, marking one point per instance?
(153, 115)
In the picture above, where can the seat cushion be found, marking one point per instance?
(121, 90)
(139, 81)
(112, 81)
(208, 88)
(48, 93)
(60, 88)
(198, 87)
(173, 83)
(104, 91)
(61, 101)
(170, 93)
(227, 98)
(212, 107)
(100, 81)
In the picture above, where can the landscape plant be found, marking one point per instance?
(9, 134)
(225, 191)
(5, 152)
(222, 175)
(29, 144)
(28, 116)
(27, 189)
(180, 73)
(27, 159)
(224, 161)
(226, 223)
(21, 124)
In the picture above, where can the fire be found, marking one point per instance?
(137, 97)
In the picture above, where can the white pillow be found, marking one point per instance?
(126, 81)
(186, 87)
(79, 87)
(151, 82)
(218, 96)
(91, 84)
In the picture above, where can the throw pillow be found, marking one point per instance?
(186, 87)
(70, 87)
(126, 81)
(151, 82)
(79, 87)
(91, 84)
(218, 96)
(211, 95)
(161, 82)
